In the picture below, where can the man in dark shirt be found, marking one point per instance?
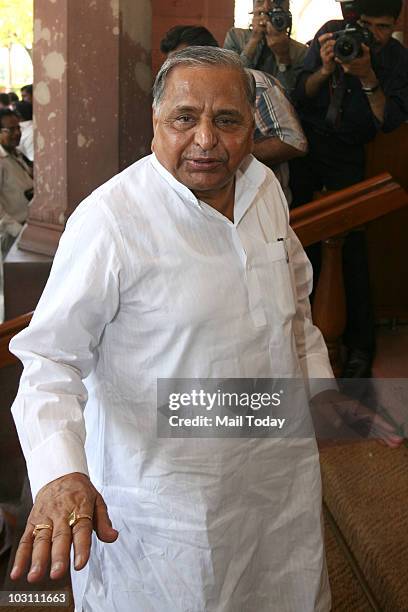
(342, 106)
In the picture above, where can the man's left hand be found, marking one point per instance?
(278, 43)
(360, 67)
(340, 410)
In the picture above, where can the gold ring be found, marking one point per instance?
(74, 518)
(40, 526)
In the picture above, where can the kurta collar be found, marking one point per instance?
(250, 176)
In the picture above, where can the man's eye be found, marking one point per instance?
(226, 121)
(185, 119)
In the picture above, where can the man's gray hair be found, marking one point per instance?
(197, 56)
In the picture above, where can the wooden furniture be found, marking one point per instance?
(387, 237)
(327, 219)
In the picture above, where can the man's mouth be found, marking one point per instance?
(204, 163)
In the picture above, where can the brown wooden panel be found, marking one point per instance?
(7, 331)
(387, 238)
(343, 210)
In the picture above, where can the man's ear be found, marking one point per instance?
(253, 135)
(155, 121)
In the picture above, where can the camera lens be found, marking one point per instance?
(347, 48)
(279, 23)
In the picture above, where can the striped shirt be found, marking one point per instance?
(275, 117)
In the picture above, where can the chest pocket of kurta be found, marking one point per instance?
(281, 299)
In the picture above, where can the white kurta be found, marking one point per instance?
(149, 282)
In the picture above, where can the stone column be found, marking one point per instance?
(92, 104)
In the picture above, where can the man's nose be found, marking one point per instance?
(206, 135)
(266, 6)
(376, 32)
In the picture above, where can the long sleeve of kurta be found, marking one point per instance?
(80, 298)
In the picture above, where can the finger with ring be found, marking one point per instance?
(42, 536)
(37, 528)
(74, 517)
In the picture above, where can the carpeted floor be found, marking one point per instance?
(347, 593)
(366, 489)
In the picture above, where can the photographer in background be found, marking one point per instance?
(347, 92)
(267, 44)
(16, 180)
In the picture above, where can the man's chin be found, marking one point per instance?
(205, 181)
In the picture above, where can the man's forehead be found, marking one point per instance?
(9, 120)
(388, 19)
(285, 3)
(207, 81)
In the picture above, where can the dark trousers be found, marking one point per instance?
(333, 165)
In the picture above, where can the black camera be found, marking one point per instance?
(279, 18)
(350, 40)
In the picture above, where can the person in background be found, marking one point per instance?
(4, 100)
(16, 182)
(278, 134)
(27, 93)
(265, 48)
(13, 99)
(343, 105)
(25, 113)
(181, 36)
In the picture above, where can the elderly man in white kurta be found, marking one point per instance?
(182, 266)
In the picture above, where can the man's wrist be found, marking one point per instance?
(325, 73)
(250, 48)
(370, 81)
(254, 40)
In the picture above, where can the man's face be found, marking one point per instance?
(203, 128)
(267, 5)
(26, 96)
(10, 133)
(382, 28)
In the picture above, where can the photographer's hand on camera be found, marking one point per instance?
(278, 43)
(258, 30)
(327, 44)
(361, 67)
(318, 78)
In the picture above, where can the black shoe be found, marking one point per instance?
(358, 364)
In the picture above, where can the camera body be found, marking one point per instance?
(350, 40)
(279, 17)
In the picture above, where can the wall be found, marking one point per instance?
(216, 15)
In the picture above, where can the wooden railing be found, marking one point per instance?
(327, 220)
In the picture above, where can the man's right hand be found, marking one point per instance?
(53, 505)
(259, 22)
(327, 44)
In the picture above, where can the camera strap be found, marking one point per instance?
(337, 91)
